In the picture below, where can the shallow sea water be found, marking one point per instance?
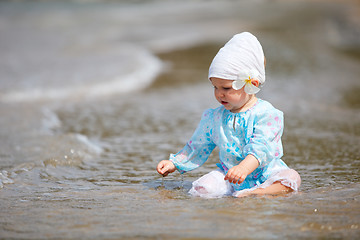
(80, 163)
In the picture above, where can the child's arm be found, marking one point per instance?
(195, 152)
(238, 173)
(165, 167)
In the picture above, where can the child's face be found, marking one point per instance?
(231, 99)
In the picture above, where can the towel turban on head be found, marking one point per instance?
(243, 52)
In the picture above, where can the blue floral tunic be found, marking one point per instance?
(256, 131)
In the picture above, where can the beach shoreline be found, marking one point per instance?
(85, 166)
(182, 66)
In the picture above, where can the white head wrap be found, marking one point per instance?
(243, 53)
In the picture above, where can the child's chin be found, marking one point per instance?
(228, 107)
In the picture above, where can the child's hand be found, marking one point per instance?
(236, 174)
(165, 167)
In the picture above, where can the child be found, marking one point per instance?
(247, 130)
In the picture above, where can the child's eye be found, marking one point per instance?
(227, 88)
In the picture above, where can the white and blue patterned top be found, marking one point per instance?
(256, 131)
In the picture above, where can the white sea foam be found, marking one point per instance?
(91, 146)
(50, 120)
(122, 78)
(5, 178)
(69, 52)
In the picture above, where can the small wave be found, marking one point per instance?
(50, 120)
(73, 158)
(54, 166)
(136, 75)
(5, 178)
(92, 147)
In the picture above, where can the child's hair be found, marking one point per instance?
(243, 53)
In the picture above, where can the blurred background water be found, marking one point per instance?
(94, 93)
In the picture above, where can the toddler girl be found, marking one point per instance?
(246, 129)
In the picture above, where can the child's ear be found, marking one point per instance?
(255, 82)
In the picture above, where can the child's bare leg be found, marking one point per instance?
(273, 189)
